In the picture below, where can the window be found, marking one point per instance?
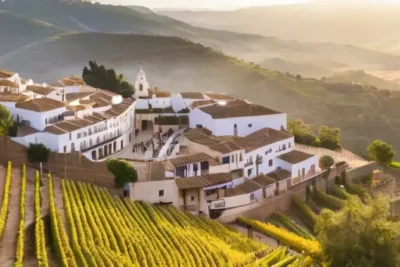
(233, 158)
(65, 149)
(225, 160)
(241, 157)
(270, 150)
(270, 162)
(249, 172)
(192, 198)
(289, 145)
(252, 196)
(283, 147)
(79, 135)
(70, 136)
(160, 193)
(266, 152)
(46, 121)
(250, 125)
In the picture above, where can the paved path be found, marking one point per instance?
(9, 241)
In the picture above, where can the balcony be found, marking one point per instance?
(248, 164)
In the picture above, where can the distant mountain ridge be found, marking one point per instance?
(373, 26)
(310, 59)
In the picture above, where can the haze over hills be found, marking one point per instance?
(63, 47)
(363, 114)
(375, 26)
(307, 59)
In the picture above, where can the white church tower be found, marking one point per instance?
(141, 84)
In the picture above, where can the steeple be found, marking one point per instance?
(141, 84)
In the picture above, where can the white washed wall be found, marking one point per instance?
(149, 191)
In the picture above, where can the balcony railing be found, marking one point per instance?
(248, 164)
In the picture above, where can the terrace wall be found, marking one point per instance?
(73, 165)
(354, 175)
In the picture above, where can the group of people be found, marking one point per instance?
(155, 140)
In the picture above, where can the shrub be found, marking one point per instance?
(38, 153)
(123, 172)
(307, 215)
(328, 201)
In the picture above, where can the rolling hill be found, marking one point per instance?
(17, 31)
(317, 58)
(361, 24)
(175, 64)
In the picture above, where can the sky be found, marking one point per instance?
(225, 4)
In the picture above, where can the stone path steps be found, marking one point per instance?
(9, 241)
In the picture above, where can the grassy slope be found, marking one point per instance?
(360, 77)
(116, 19)
(177, 65)
(16, 31)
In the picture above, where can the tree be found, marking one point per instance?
(123, 172)
(329, 137)
(6, 121)
(326, 162)
(100, 77)
(259, 161)
(381, 152)
(359, 235)
(38, 153)
(303, 133)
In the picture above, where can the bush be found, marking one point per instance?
(123, 172)
(366, 179)
(328, 201)
(38, 153)
(306, 214)
(326, 162)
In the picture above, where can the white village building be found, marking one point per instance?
(209, 152)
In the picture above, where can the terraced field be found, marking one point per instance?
(88, 226)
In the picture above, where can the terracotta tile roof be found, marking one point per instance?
(201, 136)
(200, 103)
(263, 180)
(24, 130)
(72, 81)
(74, 96)
(261, 138)
(247, 187)
(6, 73)
(295, 156)
(76, 108)
(193, 158)
(87, 102)
(40, 104)
(237, 108)
(8, 83)
(229, 144)
(162, 94)
(37, 89)
(279, 175)
(102, 99)
(6, 97)
(235, 191)
(57, 84)
(192, 95)
(203, 180)
(226, 147)
(67, 126)
(54, 130)
(219, 96)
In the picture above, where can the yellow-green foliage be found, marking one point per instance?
(40, 242)
(6, 200)
(21, 231)
(60, 238)
(108, 231)
(298, 243)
